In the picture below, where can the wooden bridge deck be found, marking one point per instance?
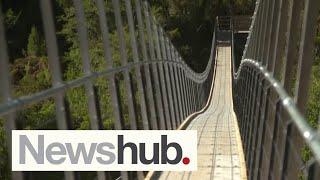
(220, 154)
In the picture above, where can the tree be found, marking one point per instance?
(34, 44)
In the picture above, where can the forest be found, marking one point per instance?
(189, 25)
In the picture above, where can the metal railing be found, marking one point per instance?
(275, 134)
(167, 89)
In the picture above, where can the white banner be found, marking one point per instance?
(104, 150)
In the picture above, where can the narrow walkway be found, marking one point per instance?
(220, 154)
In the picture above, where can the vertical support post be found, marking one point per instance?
(249, 105)
(124, 60)
(177, 83)
(95, 123)
(5, 92)
(265, 25)
(164, 111)
(274, 135)
(251, 112)
(188, 90)
(280, 34)
(274, 35)
(178, 80)
(261, 20)
(172, 80)
(264, 118)
(153, 58)
(109, 63)
(167, 76)
(147, 73)
(306, 53)
(290, 59)
(268, 32)
(54, 66)
(184, 90)
(137, 69)
(292, 40)
(84, 49)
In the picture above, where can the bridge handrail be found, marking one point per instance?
(168, 92)
(311, 136)
(257, 68)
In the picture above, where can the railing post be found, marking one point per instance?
(178, 82)
(306, 53)
(255, 115)
(274, 35)
(263, 163)
(261, 19)
(183, 100)
(264, 117)
(137, 69)
(95, 122)
(124, 61)
(192, 96)
(153, 58)
(249, 105)
(280, 35)
(269, 26)
(265, 62)
(5, 92)
(291, 53)
(172, 80)
(275, 130)
(185, 92)
(253, 41)
(54, 66)
(188, 88)
(265, 17)
(147, 74)
(251, 113)
(290, 59)
(162, 80)
(246, 100)
(109, 64)
(168, 79)
(154, 66)
(284, 158)
(305, 60)
(196, 97)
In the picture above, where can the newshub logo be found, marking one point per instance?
(99, 150)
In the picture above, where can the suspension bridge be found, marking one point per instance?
(248, 126)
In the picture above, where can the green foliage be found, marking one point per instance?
(11, 18)
(4, 161)
(35, 46)
(73, 64)
(30, 74)
(189, 25)
(313, 112)
(313, 108)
